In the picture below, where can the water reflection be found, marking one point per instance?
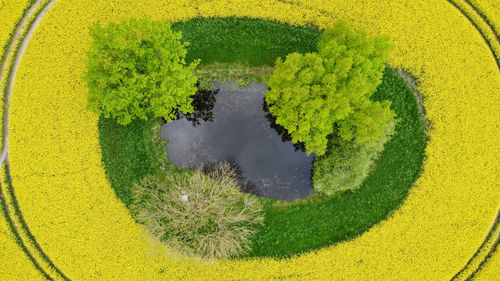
(203, 103)
(245, 184)
(285, 136)
(232, 125)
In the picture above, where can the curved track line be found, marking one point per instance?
(485, 19)
(482, 254)
(26, 233)
(493, 249)
(4, 159)
(15, 37)
(491, 233)
(452, 2)
(10, 86)
(15, 231)
(4, 156)
(9, 51)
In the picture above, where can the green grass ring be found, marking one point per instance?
(291, 228)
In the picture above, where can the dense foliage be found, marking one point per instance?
(315, 95)
(136, 70)
(241, 49)
(346, 164)
(326, 220)
(199, 214)
(288, 229)
(127, 150)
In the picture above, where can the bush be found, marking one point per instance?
(199, 214)
(347, 164)
(136, 69)
(312, 94)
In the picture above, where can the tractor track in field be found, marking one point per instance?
(485, 250)
(23, 236)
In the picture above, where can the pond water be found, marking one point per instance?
(232, 124)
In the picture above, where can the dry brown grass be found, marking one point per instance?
(199, 214)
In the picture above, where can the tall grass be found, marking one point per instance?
(199, 214)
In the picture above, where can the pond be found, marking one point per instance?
(234, 125)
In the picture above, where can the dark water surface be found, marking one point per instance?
(240, 131)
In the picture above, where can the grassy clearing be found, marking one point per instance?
(238, 73)
(316, 223)
(243, 48)
(290, 227)
(250, 42)
(126, 154)
(131, 152)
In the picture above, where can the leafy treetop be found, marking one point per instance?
(136, 69)
(315, 95)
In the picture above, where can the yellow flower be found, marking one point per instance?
(89, 235)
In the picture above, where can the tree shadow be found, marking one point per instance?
(203, 104)
(282, 132)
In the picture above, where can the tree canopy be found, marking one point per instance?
(316, 95)
(136, 69)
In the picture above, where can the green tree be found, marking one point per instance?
(315, 95)
(347, 164)
(136, 69)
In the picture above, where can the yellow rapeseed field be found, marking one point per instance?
(491, 9)
(15, 265)
(89, 234)
(490, 270)
(485, 29)
(11, 11)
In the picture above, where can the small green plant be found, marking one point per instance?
(316, 95)
(199, 214)
(136, 70)
(346, 164)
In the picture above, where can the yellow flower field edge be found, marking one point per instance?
(16, 264)
(64, 196)
(22, 233)
(483, 254)
(11, 46)
(491, 269)
(490, 11)
(484, 28)
(17, 261)
(10, 50)
(14, 14)
(491, 35)
(476, 11)
(19, 229)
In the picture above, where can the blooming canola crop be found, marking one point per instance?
(89, 234)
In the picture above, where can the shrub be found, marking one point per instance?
(199, 214)
(136, 69)
(313, 93)
(346, 164)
